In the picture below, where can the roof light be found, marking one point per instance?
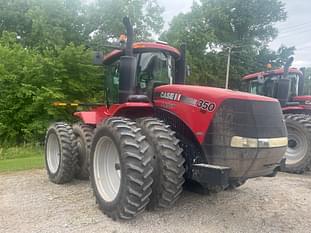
(138, 46)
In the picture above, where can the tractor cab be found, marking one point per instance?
(287, 86)
(267, 83)
(288, 90)
(155, 65)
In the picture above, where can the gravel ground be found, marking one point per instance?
(30, 203)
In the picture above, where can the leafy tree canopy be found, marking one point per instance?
(55, 23)
(44, 57)
(214, 25)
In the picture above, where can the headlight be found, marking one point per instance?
(241, 142)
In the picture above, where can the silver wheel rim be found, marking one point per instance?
(53, 153)
(297, 146)
(106, 167)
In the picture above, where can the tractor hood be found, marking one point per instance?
(196, 106)
(217, 95)
(217, 117)
(302, 99)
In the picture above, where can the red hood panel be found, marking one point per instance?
(196, 105)
(211, 93)
(302, 98)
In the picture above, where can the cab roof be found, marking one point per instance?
(140, 47)
(271, 72)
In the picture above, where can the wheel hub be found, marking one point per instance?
(292, 143)
(53, 153)
(297, 148)
(107, 170)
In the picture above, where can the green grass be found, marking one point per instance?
(21, 158)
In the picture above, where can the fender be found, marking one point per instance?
(94, 116)
(131, 110)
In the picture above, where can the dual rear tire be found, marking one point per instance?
(60, 153)
(83, 135)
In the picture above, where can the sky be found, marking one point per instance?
(295, 31)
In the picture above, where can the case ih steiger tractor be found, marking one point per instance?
(287, 84)
(140, 148)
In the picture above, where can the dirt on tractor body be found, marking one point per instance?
(30, 203)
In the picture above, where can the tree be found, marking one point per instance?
(214, 25)
(105, 19)
(44, 24)
(243, 22)
(31, 81)
(49, 24)
(44, 57)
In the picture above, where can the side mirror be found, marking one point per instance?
(98, 58)
(283, 91)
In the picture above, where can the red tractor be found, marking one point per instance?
(140, 148)
(287, 84)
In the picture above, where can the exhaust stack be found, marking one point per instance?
(128, 64)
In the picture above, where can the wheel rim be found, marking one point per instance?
(297, 146)
(53, 153)
(107, 172)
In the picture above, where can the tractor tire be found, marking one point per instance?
(168, 163)
(120, 168)
(298, 153)
(83, 134)
(60, 153)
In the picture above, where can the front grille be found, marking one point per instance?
(244, 118)
(252, 119)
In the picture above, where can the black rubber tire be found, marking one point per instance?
(83, 134)
(168, 163)
(299, 124)
(135, 164)
(68, 153)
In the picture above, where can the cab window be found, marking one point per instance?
(112, 82)
(154, 67)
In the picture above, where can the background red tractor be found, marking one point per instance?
(157, 133)
(287, 85)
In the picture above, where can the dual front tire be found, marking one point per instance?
(121, 169)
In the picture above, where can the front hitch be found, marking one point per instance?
(213, 177)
